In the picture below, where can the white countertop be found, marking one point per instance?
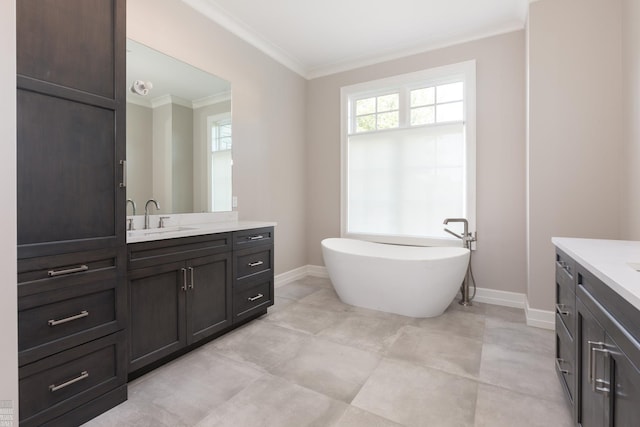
(185, 225)
(612, 261)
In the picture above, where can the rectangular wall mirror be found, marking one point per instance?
(179, 134)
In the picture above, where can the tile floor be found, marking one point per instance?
(314, 361)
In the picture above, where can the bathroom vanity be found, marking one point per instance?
(185, 287)
(598, 329)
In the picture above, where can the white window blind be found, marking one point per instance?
(400, 182)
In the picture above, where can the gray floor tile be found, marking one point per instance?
(366, 331)
(296, 290)
(417, 396)
(460, 322)
(336, 370)
(356, 417)
(525, 372)
(272, 401)
(450, 353)
(519, 336)
(302, 363)
(497, 407)
(262, 345)
(305, 318)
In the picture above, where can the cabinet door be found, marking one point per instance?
(591, 410)
(70, 125)
(625, 384)
(157, 312)
(208, 296)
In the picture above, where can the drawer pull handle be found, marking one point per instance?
(560, 309)
(255, 264)
(123, 184)
(83, 375)
(562, 371)
(257, 297)
(191, 285)
(184, 279)
(259, 237)
(53, 273)
(83, 313)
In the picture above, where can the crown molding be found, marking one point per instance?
(244, 32)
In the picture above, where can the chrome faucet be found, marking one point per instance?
(146, 212)
(467, 238)
(133, 208)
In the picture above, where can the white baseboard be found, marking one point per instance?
(544, 319)
(537, 318)
(317, 271)
(290, 276)
(503, 298)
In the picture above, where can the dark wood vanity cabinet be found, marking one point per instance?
(182, 295)
(252, 272)
(70, 209)
(603, 365)
(187, 290)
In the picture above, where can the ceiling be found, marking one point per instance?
(316, 38)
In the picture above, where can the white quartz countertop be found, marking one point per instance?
(184, 226)
(615, 262)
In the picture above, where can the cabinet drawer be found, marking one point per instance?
(61, 323)
(565, 359)
(159, 252)
(250, 300)
(58, 272)
(252, 261)
(251, 238)
(59, 383)
(565, 303)
(565, 270)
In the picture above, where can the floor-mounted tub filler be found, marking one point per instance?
(408, 280)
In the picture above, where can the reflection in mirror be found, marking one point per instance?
(178, 134)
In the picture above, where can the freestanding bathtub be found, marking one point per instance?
(408, 280)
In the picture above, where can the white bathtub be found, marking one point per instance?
(408, 280)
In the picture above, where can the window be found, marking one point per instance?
(219, 162)
(408, 149)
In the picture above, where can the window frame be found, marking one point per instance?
(465, 71)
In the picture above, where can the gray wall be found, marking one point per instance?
(139, 155)
(575, 120)
(499, 263)
(182, 159)
(8, 253)
(630, 228)
(269, 103)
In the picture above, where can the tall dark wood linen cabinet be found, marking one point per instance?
(71, 209)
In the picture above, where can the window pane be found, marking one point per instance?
(424, 96)
(388, 120)
(423, 116)
(388, 102)
(450, 92)
(366, 123)
(365, 106)
(449, 112)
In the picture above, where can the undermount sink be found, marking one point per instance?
(154, 231)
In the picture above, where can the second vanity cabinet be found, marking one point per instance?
(185, 290)
(597, 345)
